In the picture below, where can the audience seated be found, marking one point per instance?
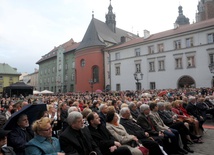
(104, 140)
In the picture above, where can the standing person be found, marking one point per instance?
(20, 135)
(76, 139)
(43, 142)
(8, 112)
(4, 149)
(104, 140)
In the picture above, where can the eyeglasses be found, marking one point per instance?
(47, 129)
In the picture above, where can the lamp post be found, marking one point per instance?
(91, 82)
(138, 76)
(211, 67)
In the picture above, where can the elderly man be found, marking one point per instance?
(76, 139)
(192, 109)
(103, 108)
(20, 135)
(106, 142)
(134, 129)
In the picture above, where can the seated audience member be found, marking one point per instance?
(193, 110)
(172, 123)
(119, 132)
(85, 113)
(43, 142)
(173, 134)
(133, 109)
(20, 135)
(147, 123)
(182, 115)
(63, 116)
(104, 140)
(204, 108)
(103, 109)
(76, 139)
(4, 149)
(134, 129)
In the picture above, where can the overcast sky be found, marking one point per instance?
(31, 28)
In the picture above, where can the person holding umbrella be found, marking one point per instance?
(20, 135)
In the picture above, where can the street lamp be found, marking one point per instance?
(138, 76)
(91, 82)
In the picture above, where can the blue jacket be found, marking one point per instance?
(40, 146)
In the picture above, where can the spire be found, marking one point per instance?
(110, 18)
(92, 13)
(181, 19)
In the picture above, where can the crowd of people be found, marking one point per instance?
(152, 122)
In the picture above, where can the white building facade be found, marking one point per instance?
(176, 58)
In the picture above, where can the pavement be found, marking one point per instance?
(206, 148)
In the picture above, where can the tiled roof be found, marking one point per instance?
(177, 31)
(6, 69)
(68, 46)
(98, 33)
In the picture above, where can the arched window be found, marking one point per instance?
(95, 72)
(82, 62)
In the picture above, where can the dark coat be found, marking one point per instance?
(102, 118)
(144, 123)
(17, 139)
(79, 142)
(103, 138)
(194, 110)
(133, 128)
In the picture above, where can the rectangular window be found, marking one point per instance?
(152, 85)
(190, 62)
(72, 76)
(161, 65)
(210, 38)
(66, 66)
(11, 78)
(117, 70)
(73, 64)
(118, 87)
(137, 52)
(138, 68)
(178, 63)
(160, 48)
(177, 44)
(189, 42)
(66, 77)
(117, 56)
(1, 77)
(211, 58)
(151, 66)
(1, 85)
(151, 49)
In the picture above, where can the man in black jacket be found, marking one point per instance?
(106, 142)
(134, 129)
(76, 139)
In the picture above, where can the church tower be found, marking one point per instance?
(181, 19)
(110, 19)
(205, 10)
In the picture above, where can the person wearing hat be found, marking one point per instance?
(5, 150)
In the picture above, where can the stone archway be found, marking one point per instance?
(186, 82)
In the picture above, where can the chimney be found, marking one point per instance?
(176, 25)
(146, 34)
